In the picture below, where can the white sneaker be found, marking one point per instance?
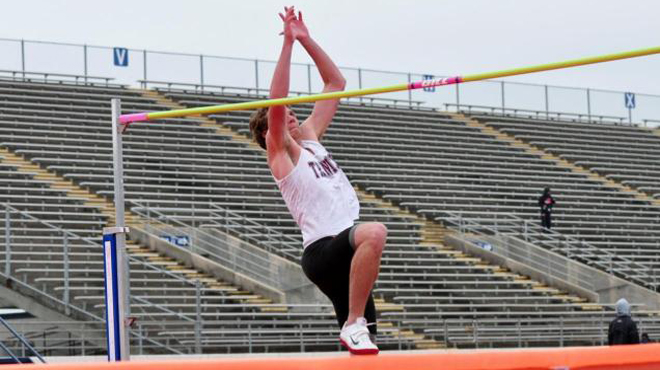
(355, 338)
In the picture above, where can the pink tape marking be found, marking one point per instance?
(436, 82)
(135, 117)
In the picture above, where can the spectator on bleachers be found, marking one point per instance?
(623, 329)
(546, 202)
(340, 257)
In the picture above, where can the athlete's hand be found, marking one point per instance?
(294, 27)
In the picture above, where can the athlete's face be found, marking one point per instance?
(292, 124)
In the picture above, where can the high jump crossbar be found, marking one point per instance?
(147, 116)
(116, 267)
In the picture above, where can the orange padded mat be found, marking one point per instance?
(641, 356)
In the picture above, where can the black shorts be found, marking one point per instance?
(327, 263)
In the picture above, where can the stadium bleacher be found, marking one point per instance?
(409, 166)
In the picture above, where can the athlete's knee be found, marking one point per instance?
(375, 235)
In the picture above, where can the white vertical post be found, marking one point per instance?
(85, 61)
(201, 71)
(547, 103)
(360, 81)
(503, 102)
(7, 240)
(589, 105)
(144, 67)
(23, 57)
(409, 91)
(118, 233)
(198, 317)
(256, 75)
(67, 309)
(309, 78)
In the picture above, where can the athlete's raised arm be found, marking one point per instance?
(333, 80)
(279, 87)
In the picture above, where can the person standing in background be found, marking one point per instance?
(546, 202)
(623, 329)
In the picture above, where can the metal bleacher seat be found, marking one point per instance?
(419, 160)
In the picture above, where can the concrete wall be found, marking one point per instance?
(38, 306)
(571, 276)
(282, 280)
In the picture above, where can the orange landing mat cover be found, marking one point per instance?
(640, 356)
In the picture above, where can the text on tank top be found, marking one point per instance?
(318, 194)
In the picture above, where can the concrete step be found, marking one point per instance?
(273, 309)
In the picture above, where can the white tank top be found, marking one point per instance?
(318, 194)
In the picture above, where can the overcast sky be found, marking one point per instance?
(421, 36)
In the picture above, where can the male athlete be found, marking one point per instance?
(340, 257)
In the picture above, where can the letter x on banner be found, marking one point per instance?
(630, 100)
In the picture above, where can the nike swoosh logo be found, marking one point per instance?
(353, 340)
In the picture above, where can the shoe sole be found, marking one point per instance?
(366, 351)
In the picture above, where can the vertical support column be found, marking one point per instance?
(67, 309)
(409, 91)
(201, 71)
(547, 103)
(256, 75)
(309, 78)
(630, 116)
(115, 315)
(144, 67)
(589, 104)
(359, 78)
(23, 57)
(360, 82)
(503, 102)
(198, 317)
(85, 60)
(117, 242)
(7, 240)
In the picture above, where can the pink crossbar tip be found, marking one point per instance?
(135, 117)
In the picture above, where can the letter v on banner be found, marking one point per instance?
(120, 57)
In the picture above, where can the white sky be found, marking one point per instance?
(439, 37)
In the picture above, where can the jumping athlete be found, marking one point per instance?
(340, 257)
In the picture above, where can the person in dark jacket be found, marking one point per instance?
(546, 202)
(623, 329)
(645, 338)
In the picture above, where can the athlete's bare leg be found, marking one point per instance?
(369, 241)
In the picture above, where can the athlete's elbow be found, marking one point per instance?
(338, 84)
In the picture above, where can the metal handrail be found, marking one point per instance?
(601, 259)
(250, 265)
(647, 121)
(66, 304)
(10, 353)
(45, 76)
(538, 113)
(293, 243)
(20, 339)
(201, 87)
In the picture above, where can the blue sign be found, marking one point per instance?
(120, 57)
(178, 240)
(630, 100)
(431, 88)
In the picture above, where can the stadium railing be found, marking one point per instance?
(261, 93)
(20, 339)
(578, 250)
(538, 114)
(43, 77)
